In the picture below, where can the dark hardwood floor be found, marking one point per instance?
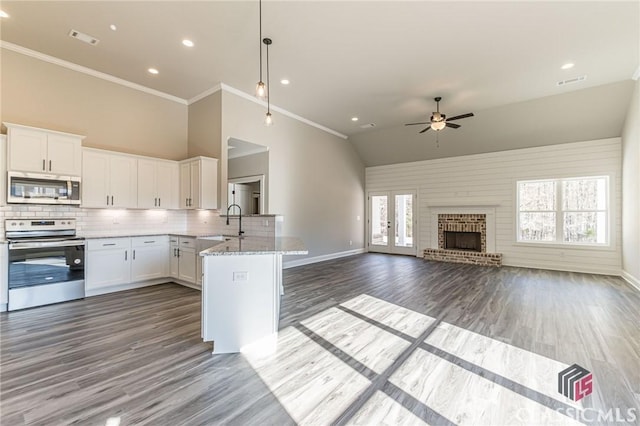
(367, 339)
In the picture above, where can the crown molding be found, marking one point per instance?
(221, 86)
(88, 71)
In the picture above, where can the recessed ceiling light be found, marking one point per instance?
(284, 81)
(113, 27)
(153, 71)
(187, 42)
(567, 66)
(354, 118)
(3, 14)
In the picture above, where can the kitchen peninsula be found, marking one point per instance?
(241, 291)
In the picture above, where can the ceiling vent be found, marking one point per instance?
(84, 37)
(368, 126)
(571, 80)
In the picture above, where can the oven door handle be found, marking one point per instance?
(45, 244)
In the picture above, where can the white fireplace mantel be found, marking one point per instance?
(488, 211)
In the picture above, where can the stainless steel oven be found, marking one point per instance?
(46, 262)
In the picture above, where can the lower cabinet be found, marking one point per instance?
(116, 261)
(183, 259)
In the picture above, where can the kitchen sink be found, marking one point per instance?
(215, 238)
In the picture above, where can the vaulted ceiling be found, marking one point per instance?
(382, 62)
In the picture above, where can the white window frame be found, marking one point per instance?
(559, 212)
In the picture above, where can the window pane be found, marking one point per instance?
(585, 227)
(537, 195)
(585, 194)
(379, 220)
(404, 220)
(537, 227)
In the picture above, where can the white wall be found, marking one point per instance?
(631, 191)
(490, 179)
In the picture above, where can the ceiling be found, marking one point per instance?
(382, 61)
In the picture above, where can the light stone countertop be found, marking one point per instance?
(119, 234)
(257, 245)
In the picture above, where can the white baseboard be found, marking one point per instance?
(129, 286)
(324, 257)
(582, 270)
(635, 282)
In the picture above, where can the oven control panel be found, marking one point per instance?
(25, 224)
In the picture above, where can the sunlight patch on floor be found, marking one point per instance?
(313, 385)
(467, 398)
(381, 409)
(521, 366)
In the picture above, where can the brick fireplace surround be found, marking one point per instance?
(463, 223)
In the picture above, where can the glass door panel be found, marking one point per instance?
(395, 208)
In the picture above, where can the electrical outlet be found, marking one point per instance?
(266, 223)
(240, 276)
(350, 243)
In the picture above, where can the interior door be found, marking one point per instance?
(392, 222)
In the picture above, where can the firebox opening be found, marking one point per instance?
(462, 241)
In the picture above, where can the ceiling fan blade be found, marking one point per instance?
(424, 130)
(413, 124)
(452, 125)
(458, 117)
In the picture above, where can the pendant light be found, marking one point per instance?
(261, 90)
(268, 120)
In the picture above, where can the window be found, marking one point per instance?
(564, 211)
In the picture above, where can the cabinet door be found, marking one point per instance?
(147, 194)
(27, 150)
(64, 155)
(187, 265)
(149, 262)
(185, 185)
(167, 185)
(174, 264)
(95, 179)
(107, 268)
(196, 185)
(122, 182)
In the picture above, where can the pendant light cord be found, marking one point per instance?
(260, 39)
(268, 86)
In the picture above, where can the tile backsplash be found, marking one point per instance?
(136, 221)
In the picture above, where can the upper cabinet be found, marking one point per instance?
(158, 184)
(109, 179)
(30, 149)
(199, 183)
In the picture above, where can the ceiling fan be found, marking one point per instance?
(439, 121)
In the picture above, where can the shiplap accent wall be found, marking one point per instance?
(490, 180)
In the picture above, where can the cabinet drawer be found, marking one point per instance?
(187, 242)
(149, 241)
(108, 243)
(173, 239)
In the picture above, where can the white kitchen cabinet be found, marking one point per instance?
(109, 179)
(158, 184)
(3, 170)
(108, 263)
(31, 149)
(182, 265)
(149, 257)
(199, 183)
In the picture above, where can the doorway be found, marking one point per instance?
(392, 222)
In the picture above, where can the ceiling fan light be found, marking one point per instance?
(438, 125)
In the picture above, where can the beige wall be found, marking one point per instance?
(111, 116)
(631, 190)
(204, 134)
(316, 180)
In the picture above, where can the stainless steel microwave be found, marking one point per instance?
(36, 188)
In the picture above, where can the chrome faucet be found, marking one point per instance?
(240, 231)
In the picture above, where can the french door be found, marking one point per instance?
(392, 222)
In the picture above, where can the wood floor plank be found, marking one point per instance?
(349, 350)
